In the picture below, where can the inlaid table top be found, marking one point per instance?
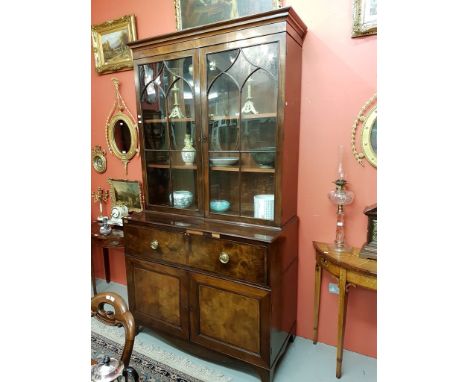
(348, 260)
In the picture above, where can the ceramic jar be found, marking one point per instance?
(105, 228)
(264, 206)
(182, 198)
(188, 152)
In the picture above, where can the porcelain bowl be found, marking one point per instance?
(224, 161)
(219, 205)
(182, 198)
(265, 157)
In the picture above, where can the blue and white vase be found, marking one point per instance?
(188, 152)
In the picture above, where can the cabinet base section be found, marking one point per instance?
(265, 374)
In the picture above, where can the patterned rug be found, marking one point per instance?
(152, 363)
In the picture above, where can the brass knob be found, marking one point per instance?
(154, 245)
(224, 258)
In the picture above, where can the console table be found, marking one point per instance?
(114, 240)
(350, 269)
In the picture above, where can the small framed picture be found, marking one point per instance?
(127, 193)
(111, 53)
(364, 18)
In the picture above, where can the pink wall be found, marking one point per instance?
(339, 75)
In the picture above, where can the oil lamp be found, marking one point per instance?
(341, 197)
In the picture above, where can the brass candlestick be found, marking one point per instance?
(100, 196)
(176, 112)
(249, 107)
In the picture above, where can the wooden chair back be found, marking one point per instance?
(120, 317)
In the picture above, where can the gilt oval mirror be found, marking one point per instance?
(367, 121)
(122, 137)
(369, 137)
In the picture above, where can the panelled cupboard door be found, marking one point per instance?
(230, 317)
(158, 296)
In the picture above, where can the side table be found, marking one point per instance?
(350, 269)
(114, 240)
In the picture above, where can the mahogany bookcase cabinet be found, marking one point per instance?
(212, 259)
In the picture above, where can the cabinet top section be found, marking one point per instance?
(206, 227)
(282, 19)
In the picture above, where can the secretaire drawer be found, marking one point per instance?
(238, 260)
(156, 244)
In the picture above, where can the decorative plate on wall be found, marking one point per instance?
(98, 159)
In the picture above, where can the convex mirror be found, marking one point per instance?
(367, 123)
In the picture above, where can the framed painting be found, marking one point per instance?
(194, 13)
(111, 53)
(364, 18)
(127, 193)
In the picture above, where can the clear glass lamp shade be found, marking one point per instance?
(342, 197)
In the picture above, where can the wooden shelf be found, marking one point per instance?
(174, 166)
(245, 117)
(164, 120)
(244, 169)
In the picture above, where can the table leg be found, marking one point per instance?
(318, 285)
(93, 275)
(341, 321)
(105, 252)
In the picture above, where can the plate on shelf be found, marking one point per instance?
(223, 161)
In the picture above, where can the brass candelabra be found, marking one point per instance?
(100, 196)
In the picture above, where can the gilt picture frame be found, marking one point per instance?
(364, 18)
(127, 193)
(111, 53)
(194, 13)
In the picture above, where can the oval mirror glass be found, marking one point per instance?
(122, 136)
(373, 136)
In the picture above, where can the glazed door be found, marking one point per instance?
(230, 317)
(158, 296)
(167, 90)
(241, 117)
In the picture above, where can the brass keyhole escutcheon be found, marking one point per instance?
(154, 245)
(224, 258)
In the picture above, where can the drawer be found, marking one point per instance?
(156, 244)
(361, 280)
(241, 261)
